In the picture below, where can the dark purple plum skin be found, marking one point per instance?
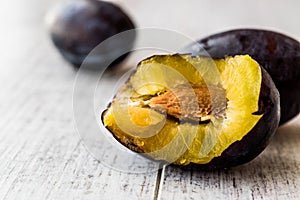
(277, 53)
(258, 138)
(79, 26)
(252, 144)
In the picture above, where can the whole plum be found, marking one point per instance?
(77, 27)
(277, 53)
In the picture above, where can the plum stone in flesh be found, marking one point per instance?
(192, 110)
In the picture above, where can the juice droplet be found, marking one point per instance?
(182, 161)
(140, 143)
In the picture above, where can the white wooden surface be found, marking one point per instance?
(42, 157)
(275, 174)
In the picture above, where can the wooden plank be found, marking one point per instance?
(59, 167)
(42, 156)
(275, 174)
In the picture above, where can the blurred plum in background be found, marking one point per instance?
(77, 27)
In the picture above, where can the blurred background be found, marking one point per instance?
(23, 22)
(199, 18)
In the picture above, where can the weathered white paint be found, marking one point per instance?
(42, 157)
(275, 174)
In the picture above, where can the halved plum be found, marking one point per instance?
(186, 110)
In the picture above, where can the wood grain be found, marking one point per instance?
(42, 156)
(275, 174)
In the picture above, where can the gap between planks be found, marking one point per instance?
(159, 182)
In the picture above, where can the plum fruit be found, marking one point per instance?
(77, 27)
(194, 110)
(279, 54)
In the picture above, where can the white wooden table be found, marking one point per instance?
(42, 157)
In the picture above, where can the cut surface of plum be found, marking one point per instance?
(186, 109)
